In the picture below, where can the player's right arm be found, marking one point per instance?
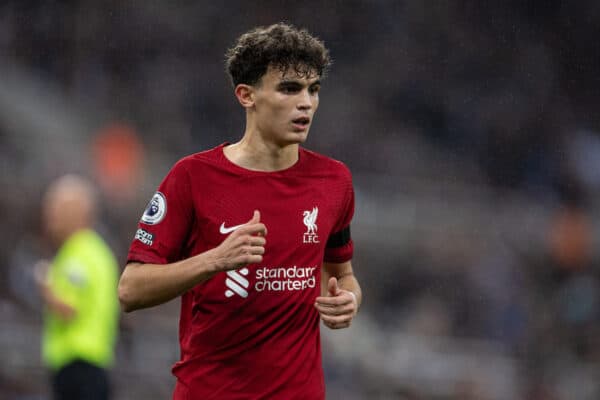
(146, 285)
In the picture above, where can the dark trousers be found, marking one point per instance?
(80, 380)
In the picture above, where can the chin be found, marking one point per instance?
(298, 137)
(293, 142)
(300, 140)
(289, 137)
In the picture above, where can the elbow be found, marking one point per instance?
(126, 298)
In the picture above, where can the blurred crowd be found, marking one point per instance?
(471, 129)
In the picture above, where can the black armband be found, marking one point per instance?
(339, 239)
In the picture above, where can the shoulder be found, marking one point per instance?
(90, 240)
(193, 163)
(81, 242)
(203, 157)
(333, 167)
(87, 245)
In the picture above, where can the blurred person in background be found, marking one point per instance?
(250, 310)
(78, 288)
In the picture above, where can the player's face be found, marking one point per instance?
(285, 104)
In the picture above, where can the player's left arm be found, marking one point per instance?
(341, 298)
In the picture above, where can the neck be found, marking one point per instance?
(255, 154)
(58, 238)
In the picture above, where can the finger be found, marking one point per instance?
(336, 311)
(255, 217)
(247, 259)
(336, 320)
(333, 301)
(332, 286)
(249, 249)
(337, 326)
(340, 310)
(253, 226)
(255, 259)
(40, 270)
(251, 229)
(249, 240)
(257, 241)
(257, 250)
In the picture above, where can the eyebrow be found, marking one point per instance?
(289, 82)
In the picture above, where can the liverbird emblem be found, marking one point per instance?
(310, 220)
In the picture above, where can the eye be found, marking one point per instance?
(289, 89)
(314, 89)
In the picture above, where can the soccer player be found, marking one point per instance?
(78, 288)
(244, 232)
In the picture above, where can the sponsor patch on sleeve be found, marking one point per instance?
(155, 210)
(145, 237)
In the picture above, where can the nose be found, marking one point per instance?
(304, 100)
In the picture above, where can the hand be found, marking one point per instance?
(40, 272)
(59, 307)
(246, 245)
(338, 308)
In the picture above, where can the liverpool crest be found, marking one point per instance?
(310, 220)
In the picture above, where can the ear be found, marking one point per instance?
(245, 95)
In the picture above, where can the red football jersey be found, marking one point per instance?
(251, 333)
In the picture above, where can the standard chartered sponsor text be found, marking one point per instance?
(285, 278)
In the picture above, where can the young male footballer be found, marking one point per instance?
(244, 232)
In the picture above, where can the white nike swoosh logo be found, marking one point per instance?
(225, 231)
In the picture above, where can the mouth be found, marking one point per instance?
(301, 122)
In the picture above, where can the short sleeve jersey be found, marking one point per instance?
(252, 333)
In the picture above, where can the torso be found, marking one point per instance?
(258, 326)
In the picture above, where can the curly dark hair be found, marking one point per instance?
(281, 46)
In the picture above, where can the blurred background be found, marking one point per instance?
(472, 130)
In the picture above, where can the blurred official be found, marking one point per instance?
(79, 291)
